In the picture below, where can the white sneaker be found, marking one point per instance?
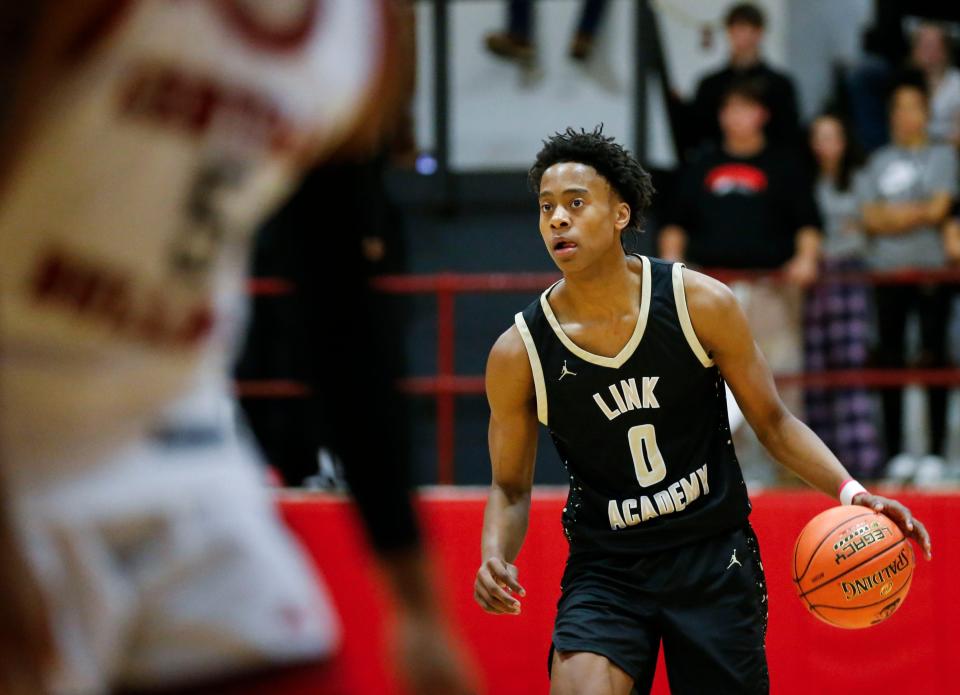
(931, 471)
(901, 467)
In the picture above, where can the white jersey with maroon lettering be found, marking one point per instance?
(124, 232)
(124, 236)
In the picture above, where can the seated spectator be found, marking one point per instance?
(747, 204)
(931, 55)
(835, 327)
(905, 196)
(745, 28)
(516, 43)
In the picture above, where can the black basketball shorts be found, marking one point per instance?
(706, 602)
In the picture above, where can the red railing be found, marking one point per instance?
(446, 384)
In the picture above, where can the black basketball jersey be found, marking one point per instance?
(644, 435)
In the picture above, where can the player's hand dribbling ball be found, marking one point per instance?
(852, 566)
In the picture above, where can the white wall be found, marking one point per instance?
(499, 114)
(681, 22)
(822, 32)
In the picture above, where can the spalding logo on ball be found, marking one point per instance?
(852, 567)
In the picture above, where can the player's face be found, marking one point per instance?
(581, 217)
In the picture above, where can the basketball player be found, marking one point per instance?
(145, 140)
(624, 361)
(25, 639)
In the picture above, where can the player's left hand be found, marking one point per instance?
(900, 515)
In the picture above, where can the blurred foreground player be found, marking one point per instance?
(624, 361)
(145, 141)
(25, 640)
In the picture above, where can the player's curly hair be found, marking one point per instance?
(621, 170)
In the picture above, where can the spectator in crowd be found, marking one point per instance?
(931, 55)
(905, 196)
(745, 24)
(835, 327)
(516, 43)
(747, 204)
(885, 51)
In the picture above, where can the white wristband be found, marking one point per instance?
(849, 490)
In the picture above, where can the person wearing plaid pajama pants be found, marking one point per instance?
(835, 317)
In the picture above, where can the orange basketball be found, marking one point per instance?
(852, 567)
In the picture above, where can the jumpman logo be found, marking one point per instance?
(565, 372)
(734, 560)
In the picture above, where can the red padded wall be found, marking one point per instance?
(913, 650)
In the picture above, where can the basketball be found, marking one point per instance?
(852, 567)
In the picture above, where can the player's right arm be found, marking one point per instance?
(512, 439)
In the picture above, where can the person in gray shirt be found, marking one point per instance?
(905, 196)
(836, 329)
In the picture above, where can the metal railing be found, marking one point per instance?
(446, 385)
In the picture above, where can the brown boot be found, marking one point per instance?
(510, 46)
(581, 47)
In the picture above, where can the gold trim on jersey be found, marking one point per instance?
(627, 352)
(680, 297)
(538, 383)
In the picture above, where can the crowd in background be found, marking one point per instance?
(759, 191)
(868, 185)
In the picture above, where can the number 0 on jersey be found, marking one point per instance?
(647, 461)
